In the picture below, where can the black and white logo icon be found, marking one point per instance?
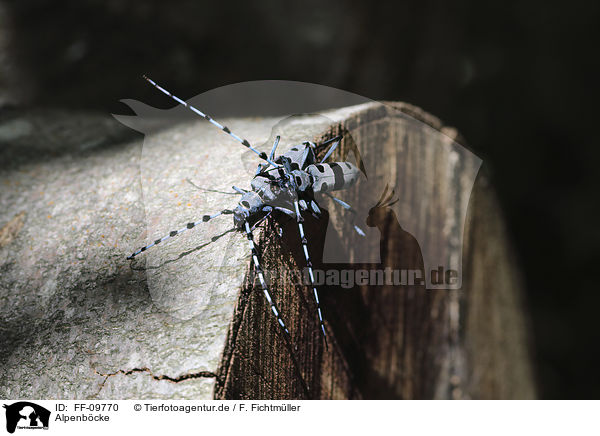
(26, 415)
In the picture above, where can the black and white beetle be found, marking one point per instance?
(286, 184)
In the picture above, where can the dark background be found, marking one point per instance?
(518, 79)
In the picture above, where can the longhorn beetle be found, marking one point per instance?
(286, 184)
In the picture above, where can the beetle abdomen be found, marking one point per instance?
(332, 176)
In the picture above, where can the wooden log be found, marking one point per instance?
(391, 341)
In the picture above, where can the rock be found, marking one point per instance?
(184, 319)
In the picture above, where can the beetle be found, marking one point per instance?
(286, 184)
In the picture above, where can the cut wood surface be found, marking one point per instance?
(185, 319)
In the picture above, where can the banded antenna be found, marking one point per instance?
(242, 141)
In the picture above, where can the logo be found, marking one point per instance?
(402, 222)
(26, 415)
